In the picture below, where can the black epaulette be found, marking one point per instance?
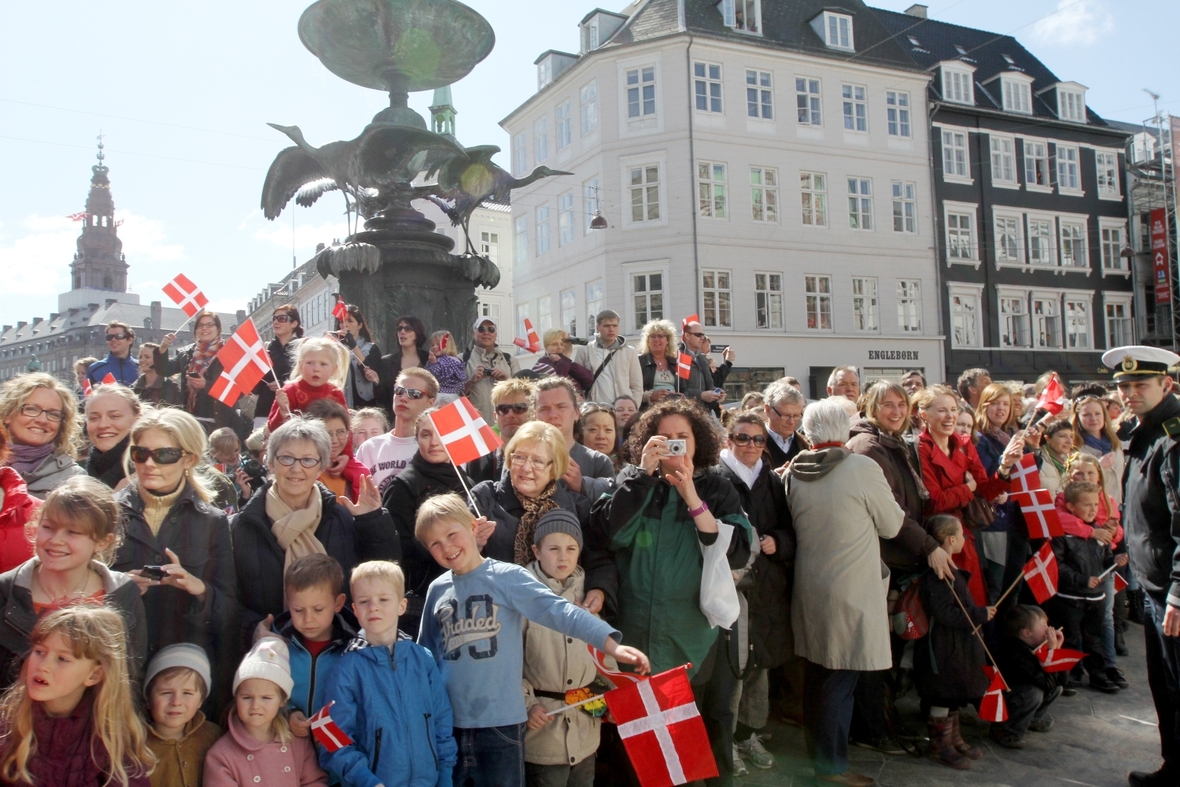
(1172, 427)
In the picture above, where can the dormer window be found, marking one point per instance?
(742, 15)
(544, 73)
(1009, 60)
(1017, 95)
(960, 50)
(838, 31)
(1071, 102)
(958, 85)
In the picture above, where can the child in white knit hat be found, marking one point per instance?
(258, 742)
(176, 685)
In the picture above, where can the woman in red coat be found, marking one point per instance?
(954, 475)
(17, 508)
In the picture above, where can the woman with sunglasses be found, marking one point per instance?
(768, 581)
(170, 523)
(197, 367)
(1096, 436)
(288, 329)
(41, 416)
(111, 411)
(293, 515)
(598, 432)
(364, 358)
(411, 353)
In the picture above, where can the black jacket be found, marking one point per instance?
(487, 468)
(1151, 501)
(389, 367)
(949, 661)
(283, 360)
(647, 364)
(107, 466)
(497, 501)
(213, 413)
(259, 559)
(1021, 667)
(1078, 559)
(779, 457)
(771, 643)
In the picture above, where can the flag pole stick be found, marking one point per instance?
(975, 629)
(186, 322)
(1104, 574)
(1009, 590)
(564, 708)
(458, 471)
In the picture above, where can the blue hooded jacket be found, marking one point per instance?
(124, 370)
(310, 673)
(395, 708)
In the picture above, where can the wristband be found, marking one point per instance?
(695, 512)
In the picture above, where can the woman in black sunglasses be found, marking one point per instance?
(288, 329)
(411, 352)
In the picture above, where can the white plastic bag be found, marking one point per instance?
(719, 596)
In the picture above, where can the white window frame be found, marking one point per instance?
(591, 201)
(1024, 331)
(956, 154)
(544, 73)
(809, 101)
(522, 314)
(568, 303)
(860, 203)
(565, 218)
(855, 102)
(964, 294)
(520, 239)
(764, 195)
(542, 220)
(708, 87)
(1039, 257)
(712, 190)
(1048, 326)
(641, 97)
(909, 305)
(817, 288)
(956, 230)
(866, 304)
(1037, 166)
(1112, 239)
(1017, 95)
(813, 201)
(1069, 169)
(1126, 301)
(544, 314)
(1073, 238)
(1010, 254)
(729, 15)
(589, 100)
(759, 94)
(838, 32)
(1003, 150)
(563, 126)
(1106, 162)
(520, 154)
(489, 244)
(644, 166)
(716, 298)
(541, 139)
(1078, 318)
(594, 296)
(958, 85)
(1071, 105)
(905, 206)
(647, 269)
(768, 300)
(897, 114)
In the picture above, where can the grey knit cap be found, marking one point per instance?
(558, 521)
(180, 655)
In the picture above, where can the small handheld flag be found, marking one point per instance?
(616, 677)
(1057, 659)
(1040, 573)
(327, 732)
(1052, 399)
(463, 432)
(109, 379)
(684, 366)
(1040, 515)
(992, 707)
(86, 388)
(533, 344)
(1120, 584)
(244, 362)
(340, 310)
(690, 318)
(186, 295)
(1025, 475)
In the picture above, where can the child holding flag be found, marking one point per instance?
(320, 371)
(1031, 689)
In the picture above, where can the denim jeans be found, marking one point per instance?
(490, 756)
(1107, 637)
(1026, 703)
(827, 710)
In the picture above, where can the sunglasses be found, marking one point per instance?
(589, 408)
(282, 318)
(287, 460)
(404, 329)
(691, 333)
(161, 456)
(520, 408)
(117, 337)
(413, 393)
(487, 329)
(746, 439)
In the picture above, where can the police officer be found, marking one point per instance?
(1151, 518)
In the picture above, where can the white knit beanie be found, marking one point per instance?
(270, 660)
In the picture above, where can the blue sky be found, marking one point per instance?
(183, 93)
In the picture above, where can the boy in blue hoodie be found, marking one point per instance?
(472, 623)
(387, 695)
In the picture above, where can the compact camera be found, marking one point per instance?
(677, 447)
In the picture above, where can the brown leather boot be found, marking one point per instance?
(962, 746)
(942, 747)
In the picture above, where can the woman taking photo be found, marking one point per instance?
(111, 411)
(41, 416)
(198, 367)
(287, 328)
(657, 359)
(1095, 435)
(364, 358)
(150, 387)
(411, 352)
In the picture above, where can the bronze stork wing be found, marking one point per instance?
(291, 170)
(386, 153)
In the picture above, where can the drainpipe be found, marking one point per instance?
(942, 290)
(692, 179)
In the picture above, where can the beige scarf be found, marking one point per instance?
(294, 529)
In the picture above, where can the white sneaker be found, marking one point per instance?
(739, 767)
(754, 750)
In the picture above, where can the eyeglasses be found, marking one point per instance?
(405, 329)
(746, 439)
(798, 417)
(487, 329)
(413, 393)
(287, 460)
(520, 408)
(206, 325)
(117, 337)
(519, 460)
(33, 411)
(282, 318)
(161, 456)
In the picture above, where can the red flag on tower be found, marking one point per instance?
(1057, 659)
(992, 708)
(186, 295)
(463, 432)
(684, 366)
(1052, 399)
(1025, 474)
(533, 344)
(244, 362)
(1040, 514)
(340, 310)
(1040, 573)
(328, 732)
(82, 216)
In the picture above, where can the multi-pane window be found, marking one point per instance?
(960, 244)
(954, 154)
(711, 191)
(905, 207)
(818, 297)
(1073, 245)
(1003, 160)
(1108, 173)
(909, 305)
(544, 314)
(522, 314)
(965, 319)
(813, 190)
(764, 193)
(542, 229)
(520, 154)
(645, 193)
(1112, 248)
(565, 218)
(589, 108)
(839, 30)
(1046, 314)
(520, 241)
(541, 139)
(860, 203)
(1118, 324)
(544, 73)
(864, 304)
(1071, 105)
(569, 311)
(956, 86)
(641, 92)
(1040, 242)
(768, 299)
(489, 245)
(1077, 324)
(1017, 96)
(1014, 321)
(594, 303)
(1036, 164)
(1008, 239)
(1067, 168)
(807, 100)
(707, 86)
(759, 95)
(564, 128)
(717, 296)
(897, 113)
(856, 108)
(590, 201)
(647, 294)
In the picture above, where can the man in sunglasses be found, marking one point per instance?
(119, 363)
(386, 455)
(702, 382)
(510, 398)
(486, 366)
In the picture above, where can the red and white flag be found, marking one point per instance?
(86, 388)
(684, 366)
(244, 362)
(616, 677)
(78, 216)
(1025, 475)
(109, 379)
(992, 708)
(1040, 514)
(533, 344)
(1052, 399)
(690, 318)
(340, 310)
(186, 295)
(464, 433)
(328, 732)
(662, 730)
(1120, 584)
(1057, 659)
(1040, 573)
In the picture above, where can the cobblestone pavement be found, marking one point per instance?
(1096, 741)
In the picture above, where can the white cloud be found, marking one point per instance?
(306, 235)
(226, 305)
(1075, 22)
(144, 239)
(35, 263)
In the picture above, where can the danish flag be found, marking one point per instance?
(186, 295)
(684, 366)
(1041, 573)
(464, 434)
(533, 344)
(1026, 474)
(244, 362)
(662, 729)
(1052, 399)
(1040, 515)
(1057, 659)
(1120, 584)
(109, 379)
(328, 732)
(992, 708)
(616, 677)
(86, 388)
(340, 310)
(690, 318)
(78, 216)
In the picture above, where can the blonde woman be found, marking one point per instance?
(657, 359)
(41, 415)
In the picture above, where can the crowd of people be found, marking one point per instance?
(186, 584)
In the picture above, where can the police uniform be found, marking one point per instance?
(1151, 520)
